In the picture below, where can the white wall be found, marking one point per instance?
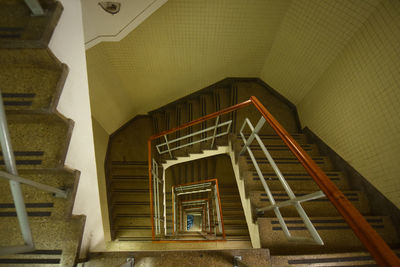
(102, 26)
(68, 45)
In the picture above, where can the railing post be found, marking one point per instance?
(155, 182)
(169, 150)
(35, 7)
(258, 127)
(215, 131)
(9, 161)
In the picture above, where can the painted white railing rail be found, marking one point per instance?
(156, 188)
(166, 146)
(293, 200)
(15, 185)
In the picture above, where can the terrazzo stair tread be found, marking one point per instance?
(32, 88)
(129, 172)
(48, 258)
(234, 219)
(228, 221)
(131, 197)
(36, 139)
(42, 58)
(48, 234)
(274, 139)
(238, 238)
(281, 150)
(282, 112)
(20, 29)
(220, 258)
(232, 230)
(225, 203)
(59, 178)
(289, 163)
(132, 221)
(130, 186)
(336, 234)
(318, 207)
(296, 179)
(232, 211)
(130, 210)
(332, 259)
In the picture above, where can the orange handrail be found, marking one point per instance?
(376, 246)
(202, 119)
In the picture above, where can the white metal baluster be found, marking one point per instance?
(154, 195)
(215, 131)
(293, 200)
(35, 7)
(217, 208)
(169, 150)
(9, 161)
(208, 216)
(158, 200)
(254, 131)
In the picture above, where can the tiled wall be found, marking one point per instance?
(184, 46)
(355, 105)
(310, 37)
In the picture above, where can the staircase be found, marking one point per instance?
(31, 80)
(338, 237)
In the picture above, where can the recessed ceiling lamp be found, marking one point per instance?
(110, 7)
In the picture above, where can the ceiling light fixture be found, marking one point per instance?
(110, 7)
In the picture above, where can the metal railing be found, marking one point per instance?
(378, 248)
(156, 187)
(294, 201)
(209, 206)
(35, 7)
(166, 146)
(15, 185)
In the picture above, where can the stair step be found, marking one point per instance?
(129, 197)
(130, 186)
(300, 180)
(130, 210)
(317, 207)
(335, 233)
(274, 139)
(288, 164)
(232, 230)
(21, 30)
(132, 221)
(36, 140)
(278, 151)
(35, 88)
(40, 203)
(65, 236)
(333, 259)
(133, 232)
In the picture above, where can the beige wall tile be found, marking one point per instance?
(354, 106)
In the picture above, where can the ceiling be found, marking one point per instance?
(187, 45)
(101, 26)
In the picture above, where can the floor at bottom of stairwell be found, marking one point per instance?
(250, 257)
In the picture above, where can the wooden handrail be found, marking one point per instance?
(376, 246)
(202, 119)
